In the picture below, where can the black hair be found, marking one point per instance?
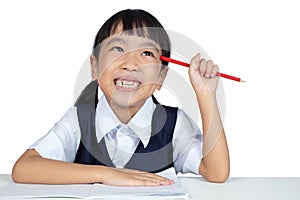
(135, 22)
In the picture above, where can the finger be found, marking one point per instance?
(140, 178)
(154, 181)
(209, 68)
(135, 181)
(155, 178)
(214, 71)
(194, 65)
(202, 68)
(147, 183)
(128, 170)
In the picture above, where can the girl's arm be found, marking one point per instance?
(215, 165)
(32, 168)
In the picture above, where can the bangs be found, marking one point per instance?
(141, 29)
(133, 29)
(136, 23)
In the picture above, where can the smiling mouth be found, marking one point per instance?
(127, 84)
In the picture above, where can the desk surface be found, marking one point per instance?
(235, 188)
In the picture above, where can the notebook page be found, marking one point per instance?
(14, 190)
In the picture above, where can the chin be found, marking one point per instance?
(128, 102)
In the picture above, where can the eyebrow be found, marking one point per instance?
(115, 39)
(143, 44)
(150, 45)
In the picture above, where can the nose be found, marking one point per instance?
(130, 61)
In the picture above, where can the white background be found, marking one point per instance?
(43, 45)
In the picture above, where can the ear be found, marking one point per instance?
(94, 68)
(162, 77)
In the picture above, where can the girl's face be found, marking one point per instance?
(128, 70)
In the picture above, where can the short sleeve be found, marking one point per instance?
(62, 141)
(187, 144)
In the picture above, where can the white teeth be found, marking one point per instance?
(127, 84)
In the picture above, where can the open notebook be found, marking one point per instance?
(13, 190)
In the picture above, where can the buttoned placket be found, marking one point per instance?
(111, 142)
(122, 143)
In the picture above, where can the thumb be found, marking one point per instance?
(195, 63)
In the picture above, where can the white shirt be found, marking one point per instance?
(62, 141)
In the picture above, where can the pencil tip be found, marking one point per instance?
(242, 81)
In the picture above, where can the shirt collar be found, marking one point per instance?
(140, 124)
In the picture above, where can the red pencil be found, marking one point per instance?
(187, 65)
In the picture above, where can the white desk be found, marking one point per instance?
(233, 189)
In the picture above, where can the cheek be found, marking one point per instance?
(152, 73)
(111, 58)
(104, 70)
(105, 78)
(105, 62)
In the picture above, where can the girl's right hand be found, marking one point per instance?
(129, 177)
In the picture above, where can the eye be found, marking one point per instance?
(117, 48)
(147, 53)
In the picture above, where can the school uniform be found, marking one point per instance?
(156, 138)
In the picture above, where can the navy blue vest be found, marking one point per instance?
(156, 157)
